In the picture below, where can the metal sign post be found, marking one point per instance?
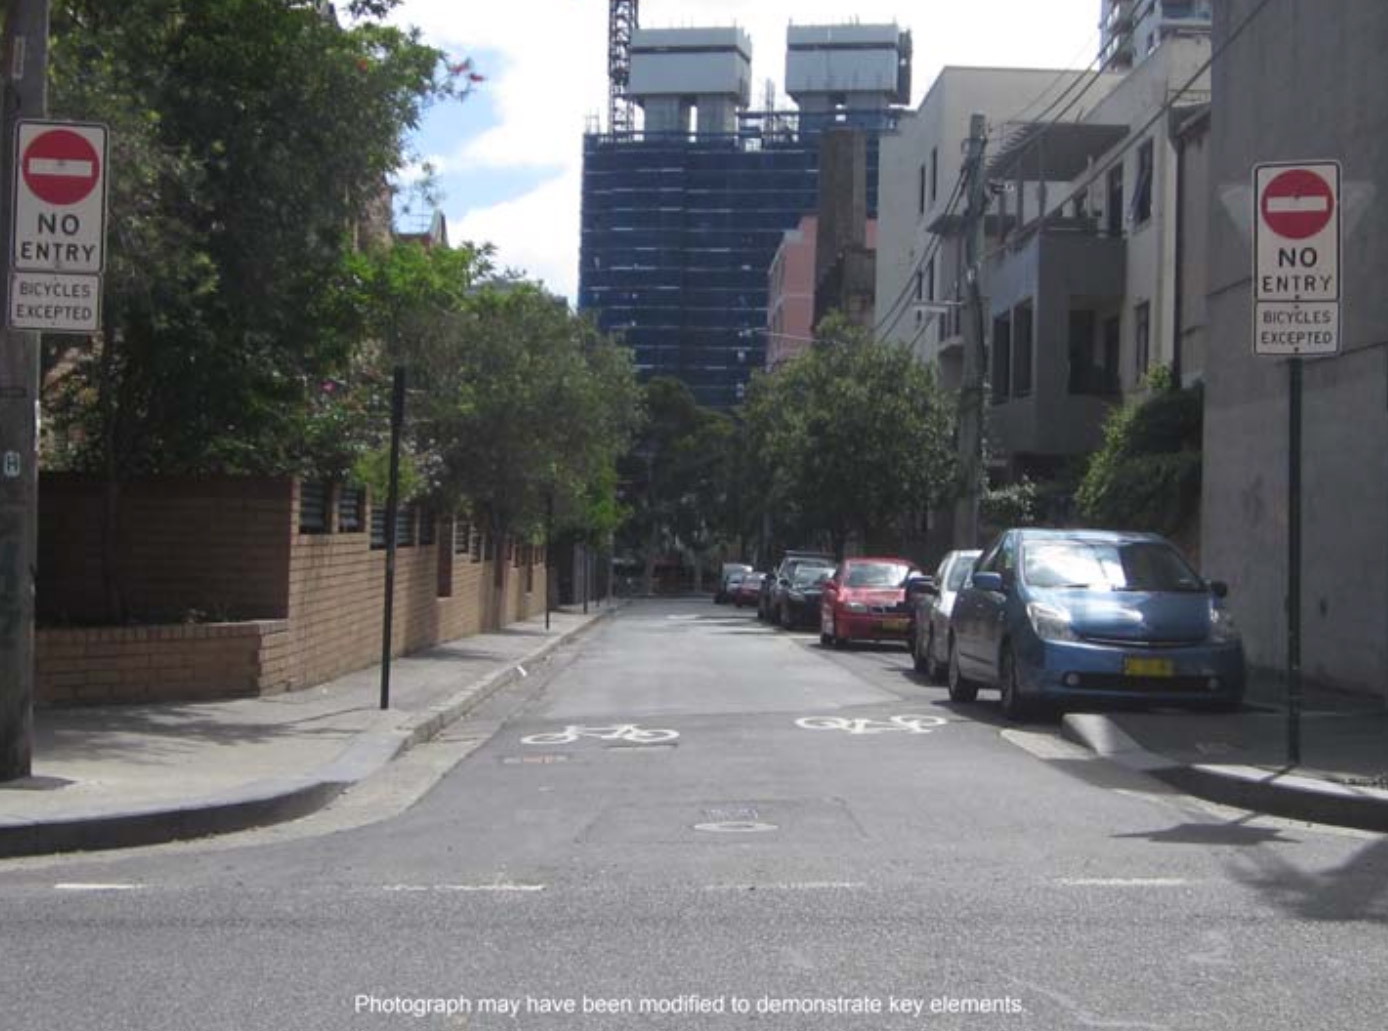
(1296, 313)
(397, 423)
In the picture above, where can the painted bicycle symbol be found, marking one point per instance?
(907, 724)
(617, 732)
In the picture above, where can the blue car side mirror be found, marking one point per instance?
(988, 582)
(1219, 588)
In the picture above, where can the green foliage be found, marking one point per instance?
(250, 139)
(1146, 475)
(1015, 504)
(854, 434)
(372, 470)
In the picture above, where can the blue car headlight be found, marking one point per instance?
(1050, 622)
(1223, 629)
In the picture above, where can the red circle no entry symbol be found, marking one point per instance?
(1297, 203)
(61, 167)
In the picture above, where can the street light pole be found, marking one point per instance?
(966, 520)
(24, 91)
(397, 423)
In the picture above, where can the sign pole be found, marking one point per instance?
(25, 62)
(1294, 564)
(397, 423)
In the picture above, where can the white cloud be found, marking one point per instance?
(553, 78)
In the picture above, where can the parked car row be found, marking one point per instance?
(1043, 617)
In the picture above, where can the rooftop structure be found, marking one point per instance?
(1132, 29)
(678, 71)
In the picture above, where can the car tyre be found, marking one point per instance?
(839, 642)
(787, 623)
(1014, 706)
(917, 658)
(960, 688)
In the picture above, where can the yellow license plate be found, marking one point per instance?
(895, 624)
(1134, 666)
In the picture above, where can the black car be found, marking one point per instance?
(800, 605)
(773, 588)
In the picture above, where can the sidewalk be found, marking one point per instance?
(113, 777)
(1240, 759)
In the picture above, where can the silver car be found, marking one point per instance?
(930, 625)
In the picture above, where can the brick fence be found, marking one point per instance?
(275, 585)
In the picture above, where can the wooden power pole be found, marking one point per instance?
(966, 521)
(24, 95)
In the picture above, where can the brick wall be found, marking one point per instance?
(94, 666)
(325, 589)
(218, 546)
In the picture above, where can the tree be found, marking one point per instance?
(857, 434)
(1146, 474)
(252, 141)
(681, 464)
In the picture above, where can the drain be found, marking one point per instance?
(736, 827)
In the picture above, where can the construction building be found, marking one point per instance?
(684, 212)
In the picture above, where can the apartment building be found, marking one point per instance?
(1081, 289)
(920, 250)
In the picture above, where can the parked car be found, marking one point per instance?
(730, 575)
(800, 606)
(792, 560)
(930, 613)
(748, 589)
(1083, 615)
(866, 599)
(789, 564)
(779, 591)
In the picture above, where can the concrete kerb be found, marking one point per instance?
(269, 801)
(1275, 792)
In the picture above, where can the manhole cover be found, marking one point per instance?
(535, 760)
(736, 827)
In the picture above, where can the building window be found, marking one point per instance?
(934, 173)
(1021, 350)
(930, 280)
(1142, 338)
(1113, 210)
(1002, 358)
(1142, 189)
(1092, 367)
(920, 285)
(920, 191)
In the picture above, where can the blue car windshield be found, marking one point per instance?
(1104, 565)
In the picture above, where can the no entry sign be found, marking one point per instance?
(60, 198)
(1296, 258)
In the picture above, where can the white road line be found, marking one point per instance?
(1122, 882)
(464, 887)
(86, 886)
(790, 886)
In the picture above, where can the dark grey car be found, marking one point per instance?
(930, 627)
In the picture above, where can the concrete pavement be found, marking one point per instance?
(1241, 759)
(114, 777)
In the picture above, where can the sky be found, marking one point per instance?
(508, 159)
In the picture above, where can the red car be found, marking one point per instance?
(866, 599)
(748, 590)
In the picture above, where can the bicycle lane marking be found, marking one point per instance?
(629, 732)
(905, 723)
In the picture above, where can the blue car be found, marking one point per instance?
(1056, 616)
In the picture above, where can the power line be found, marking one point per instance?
(895, 311)
(1135, 137)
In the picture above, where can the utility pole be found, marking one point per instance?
(966, 527)
(24, 95)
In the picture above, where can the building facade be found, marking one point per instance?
(1334, 55)
(682, 217)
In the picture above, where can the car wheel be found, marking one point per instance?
(1014, 707)
(787, 623)
(960, 689)
(934, 672)
(917, 657)
(839, 642)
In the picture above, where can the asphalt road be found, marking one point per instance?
(715, 815)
